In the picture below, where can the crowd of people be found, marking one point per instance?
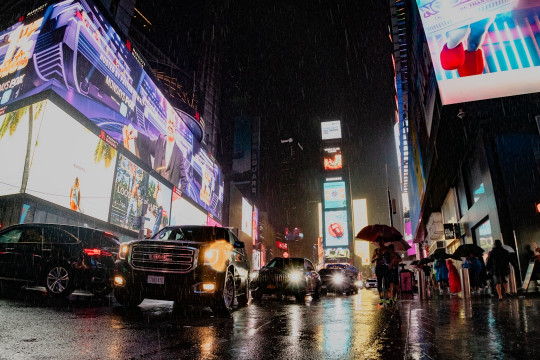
(444, 274)
(386, 261)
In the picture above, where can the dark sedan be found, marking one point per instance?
(287, 276)
(59, 257)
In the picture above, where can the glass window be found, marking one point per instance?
(11, 236)
(484, 236)
(31, 235)
(58, 236)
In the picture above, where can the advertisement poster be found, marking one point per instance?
(483, 49)
(337, 254)
(210, 221)
(331, 130)
(255, 225)
(332, 159)
(74, 171)
(334, 195)
(83, 59)
(158, 202)
(247, 210)
(14, 132)
(336, 231)
(184, 213)
(128, 194)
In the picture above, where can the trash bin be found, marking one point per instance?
(406, 281)
(465, 283)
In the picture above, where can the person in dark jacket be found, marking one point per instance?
(475, 267)
(497, 264)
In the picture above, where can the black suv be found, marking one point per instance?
(287, 276)
(191, 265)
(59, 257)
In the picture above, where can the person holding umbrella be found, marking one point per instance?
(475, 267)
(441, 274)
(381, 257)
(497, 264)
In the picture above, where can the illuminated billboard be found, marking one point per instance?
(70, 166)
(483, 49)
(332, 159)
(14, 132)
(334, 195)
(83, 59)
(158, 201)
(336, 231)
(184, 213)
(247, 217)
(331, 130)
(255, 225)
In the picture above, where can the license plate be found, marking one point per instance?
(324, 286)
(271, 286)
(160, 280)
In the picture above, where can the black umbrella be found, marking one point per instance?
(426, 261)
(466, 249)
(415, 262)
(441, 254)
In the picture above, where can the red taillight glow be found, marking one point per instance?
(109, 234)
(97, 252)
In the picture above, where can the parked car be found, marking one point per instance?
(336, 280)
(370, 283)
(197, 265)
(287, 276)
(59, 257)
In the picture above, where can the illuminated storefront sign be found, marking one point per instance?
(483, 49)
(247, 217)
(333, 159)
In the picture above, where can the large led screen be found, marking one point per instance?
(14, 132)
(128, 195)
(334, 195)
(184, 213)
(247, 217)
(332, 159)
(83, 59)
(71, 166)
(336, 231)
(158, 200)
(483, 49)
(331, 130)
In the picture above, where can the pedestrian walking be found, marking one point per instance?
(497, 265)
(393, 278)
(475, 267)
(381, 257)
(453, 278)
(441, 274)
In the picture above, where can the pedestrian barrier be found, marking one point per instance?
(465, 283)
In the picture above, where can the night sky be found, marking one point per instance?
(296, 63)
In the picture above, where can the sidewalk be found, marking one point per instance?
(476, 328)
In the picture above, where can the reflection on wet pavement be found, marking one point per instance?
(336, 327)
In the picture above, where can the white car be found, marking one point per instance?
(370, 284)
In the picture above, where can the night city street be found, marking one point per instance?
(353, 327)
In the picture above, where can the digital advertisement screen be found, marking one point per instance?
(334, 195)
(483, 49)
(335, 254)
(331, 130)
(97, 74)
(185, 213)
(71, 166)
(14, 132)
(128, 194)
(210, 221)
(336, 231)
(158, 209)
(247, 210)
(332, 159)
(255, 225)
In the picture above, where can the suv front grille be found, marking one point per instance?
(164, 258)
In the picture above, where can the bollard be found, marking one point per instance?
(512, 286)
(465, 283)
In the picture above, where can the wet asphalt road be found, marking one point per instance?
(33, 326)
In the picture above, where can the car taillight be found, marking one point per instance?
(98, 252)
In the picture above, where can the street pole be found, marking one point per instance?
(389, 198)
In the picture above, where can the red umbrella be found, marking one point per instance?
(400, 245)
(373, 232)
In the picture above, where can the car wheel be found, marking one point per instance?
(317, 293)
(300, 297)
(128, 300)
(244, 298)
(59, 280)
(226, 297)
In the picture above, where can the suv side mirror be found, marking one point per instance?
(239, 245)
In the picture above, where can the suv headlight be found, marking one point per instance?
(123, 251)
(295, 276)
(338, 279)
(210, 256)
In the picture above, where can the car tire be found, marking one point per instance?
(225, 298)
(244, 298)
(300, 297)
(128, 300)
(317, 294)
(59, 280)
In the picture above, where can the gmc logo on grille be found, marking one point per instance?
(158, 257)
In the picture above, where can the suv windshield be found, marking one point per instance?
(283, 263)
(198, 234)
